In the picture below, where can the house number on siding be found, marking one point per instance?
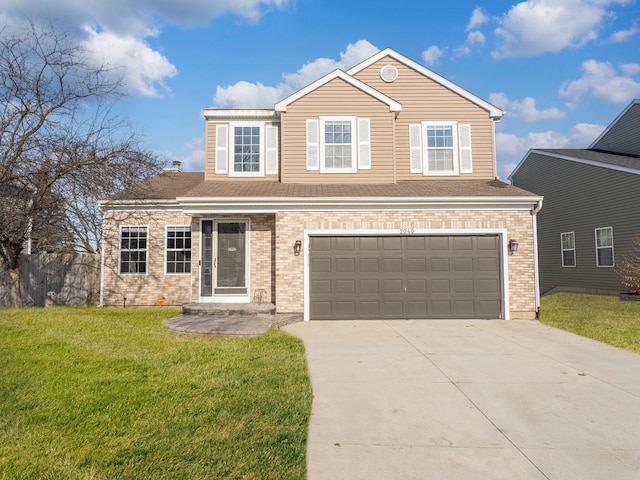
(407, 231)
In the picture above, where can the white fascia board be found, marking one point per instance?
(194, 206)
(494, 112)
(233, 114)
(138, 205)
(394, 106)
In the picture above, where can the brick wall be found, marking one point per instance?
(143, 289)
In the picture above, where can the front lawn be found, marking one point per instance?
(111, 393)
(601, 317)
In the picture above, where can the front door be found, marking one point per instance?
(224, 259)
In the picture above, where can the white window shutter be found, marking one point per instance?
(271, 134)
(464, 139)
(312, 145)
(415, 148)
(222, 149)
(364, 144)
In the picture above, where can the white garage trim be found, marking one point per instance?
(502, 234)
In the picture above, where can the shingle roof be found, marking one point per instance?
(169, 186)
(607, 158)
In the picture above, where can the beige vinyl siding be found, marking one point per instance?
(580, 198)
(210, 155)
(423, 99)
(336, 98)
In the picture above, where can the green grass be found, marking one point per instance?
(600, 317)
(112, 394)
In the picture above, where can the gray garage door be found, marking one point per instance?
(363, 277)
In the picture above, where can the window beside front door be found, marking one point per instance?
(178, 249)
(604, 247)
(568, 246)
(133, 249)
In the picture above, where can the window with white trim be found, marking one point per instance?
(133, 249)
(440, 148)
(339, 144)
(246, 149)
(178, 249)
(604, 247)
(568, 246)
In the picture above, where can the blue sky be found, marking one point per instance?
(562, 69)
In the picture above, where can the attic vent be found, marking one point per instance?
(388, 73)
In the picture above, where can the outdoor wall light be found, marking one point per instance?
(513, 246)
(297, 247)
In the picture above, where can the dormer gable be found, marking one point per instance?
(621, 136)
(394, 106)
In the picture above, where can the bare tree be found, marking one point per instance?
(61, 146)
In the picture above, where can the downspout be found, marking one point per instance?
(534, 213)
(102, 245)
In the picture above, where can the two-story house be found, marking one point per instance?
(368, 194)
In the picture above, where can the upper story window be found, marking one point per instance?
(440, 148)
(338, 144)
(133, 249)
(178, 249)
(246, 149)
(604, 247)
(338, 152)
(568, 245)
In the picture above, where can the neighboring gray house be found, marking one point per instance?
(591, 206)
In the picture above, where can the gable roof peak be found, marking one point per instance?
(494, 112)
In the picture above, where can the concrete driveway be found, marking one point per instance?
(468, 400)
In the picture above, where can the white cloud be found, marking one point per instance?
(117, 31)
(600, 79)
(526, 109)
(432, 54)
(624, 35)
(143, 68)
(250, 95)
(533, 27)
(193, 161)
(256, 95)
(510, 148)
(478, 17)
(476, 38)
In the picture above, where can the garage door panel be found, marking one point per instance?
(371, 265)
(347, 265)
(391, 265)
(373, 277)
(346, 286)
(370, 286)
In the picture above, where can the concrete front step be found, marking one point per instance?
(227, 309)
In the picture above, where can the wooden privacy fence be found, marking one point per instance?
(71, 279)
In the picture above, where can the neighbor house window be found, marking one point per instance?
(179, 249)
(604, 247)
(568, 241)
(133, 249)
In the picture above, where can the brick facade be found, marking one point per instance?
(277, 275)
